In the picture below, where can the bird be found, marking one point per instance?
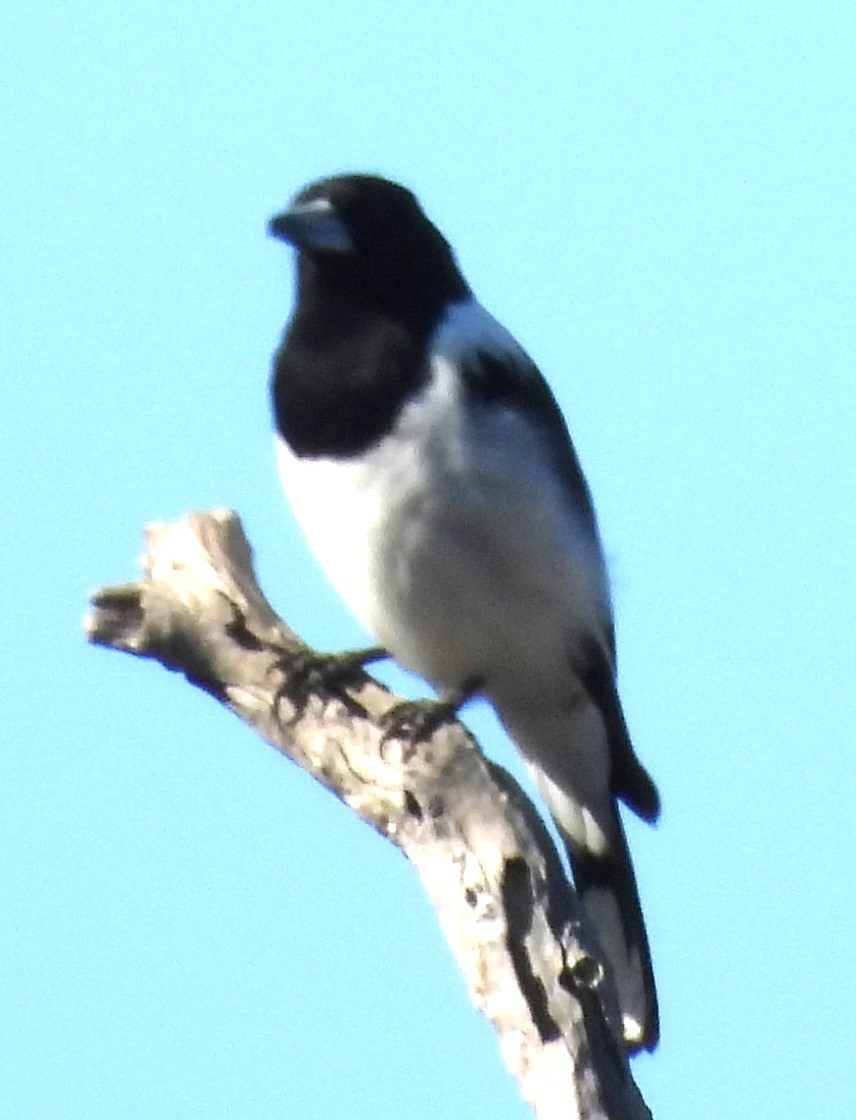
(431, 470)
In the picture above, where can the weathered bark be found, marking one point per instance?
(480, 849)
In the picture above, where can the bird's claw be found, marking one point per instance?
(308, 671)
(417, 720)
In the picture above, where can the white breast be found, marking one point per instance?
(451, 540)
(365, 518)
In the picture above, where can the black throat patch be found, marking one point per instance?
(341, 378)
(356, 350)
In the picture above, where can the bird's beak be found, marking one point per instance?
(313, 225)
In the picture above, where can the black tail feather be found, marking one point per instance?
(606, 885)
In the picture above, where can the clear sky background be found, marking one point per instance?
(658, 199)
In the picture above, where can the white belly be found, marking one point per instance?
(454, 546)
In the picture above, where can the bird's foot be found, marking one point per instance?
(309, 671)
(417, 720)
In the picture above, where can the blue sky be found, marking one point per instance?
(658, 199)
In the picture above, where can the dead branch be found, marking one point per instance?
(481, 851)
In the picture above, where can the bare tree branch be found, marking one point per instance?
(480, 849)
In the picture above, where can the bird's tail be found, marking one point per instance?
(606, 885)
(573, 764)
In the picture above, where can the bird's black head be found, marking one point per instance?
(369, 236)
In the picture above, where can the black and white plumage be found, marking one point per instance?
(430, 467)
